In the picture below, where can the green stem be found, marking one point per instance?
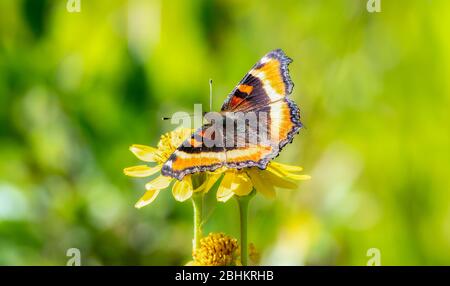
(197, 203)
(243, 217)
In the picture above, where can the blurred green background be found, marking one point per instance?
(76, 89)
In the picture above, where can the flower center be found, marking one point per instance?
(216, 249)
(169, 142)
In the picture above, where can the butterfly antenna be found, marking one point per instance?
(210, 95)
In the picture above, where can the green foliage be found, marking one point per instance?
(76, 89)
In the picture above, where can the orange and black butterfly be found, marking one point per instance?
(263, 92)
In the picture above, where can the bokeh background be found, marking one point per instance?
(76, 89)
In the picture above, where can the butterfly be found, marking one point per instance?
(264, 91)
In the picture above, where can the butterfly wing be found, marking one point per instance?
(268, 81)
(195, 154)
(283, 122)
(263, 90)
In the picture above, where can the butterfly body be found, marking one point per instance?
(255, 122)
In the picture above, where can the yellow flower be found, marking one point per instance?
(242, 182)
(234, 182)
(216, 249)
(181, 190)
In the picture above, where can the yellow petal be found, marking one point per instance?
(224, 195)
(288, 168)
(141, 170)
(243, 185)
(234, 183)
(274, 170)
(147, 198)
(212, 179)
(161, 182)
(279, 181)
(144, 153)
(182, 190)
(299, 177)
(262, 186)
(282, 172)
(225, 192)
